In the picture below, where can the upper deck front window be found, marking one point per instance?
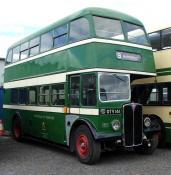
(114, 87)
(112, 28)
(135, 34)
(108, 28)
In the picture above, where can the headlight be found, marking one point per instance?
(147, 122)
(116, 125)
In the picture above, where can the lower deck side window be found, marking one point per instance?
(44, 95)
(57, 94)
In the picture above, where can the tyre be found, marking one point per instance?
(148, 147)
(87, 149)
(161, 136)
(16, 129)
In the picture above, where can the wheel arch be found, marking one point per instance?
(75, 125)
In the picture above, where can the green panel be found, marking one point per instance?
(93, 55)
(163, 72)
(45, 125)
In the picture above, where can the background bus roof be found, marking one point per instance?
(159, 28)
(91, 10)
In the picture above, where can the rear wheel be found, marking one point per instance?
(87, 149)
(16, 129)
(148, 146)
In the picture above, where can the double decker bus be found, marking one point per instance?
(69, 83)
(156, 92)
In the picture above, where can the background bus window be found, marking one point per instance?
(46, 42)
(108, 28)
(74, 90)
(24, 50)
(57, 96)
(44, 95)
(14, 96)
(33, 95)
(155, 40)
(60, 36)
(34, 46)
(154, 96)
(79, 30)
(23, 96)
(166, 94)
(166, 38)
(16, 54)
(89, 90)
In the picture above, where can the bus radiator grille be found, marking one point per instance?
(133, 127)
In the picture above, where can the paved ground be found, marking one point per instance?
(33, 158)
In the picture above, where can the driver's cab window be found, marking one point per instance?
(89, 90)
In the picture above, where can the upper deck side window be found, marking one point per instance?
(46, 42)
(34, 46)
(79, 30)
(135, 34)
(9, 57)
(108, 28)
(24, 50)
(60, 35)
(155, 39)
(16, 54)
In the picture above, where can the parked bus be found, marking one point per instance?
(155, 93)
(69, 83)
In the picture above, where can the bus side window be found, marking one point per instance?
(33, 95)
(34, 46)
(154, 97)
(166, 94)
(9, 57)
(44, 95)
(74, 90)
(60, 36)
(24, 51)
(14, 96)
(46, 42)
(23, 96)
(16, 54)
(89, 90)
(57, 94)
(79, 30)
(166, 38)
(155, 40)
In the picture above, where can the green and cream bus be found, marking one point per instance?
(156, 92)
(69, 83)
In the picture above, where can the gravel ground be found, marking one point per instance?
(35, 158)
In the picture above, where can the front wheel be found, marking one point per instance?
(87, 149)
(148, 146)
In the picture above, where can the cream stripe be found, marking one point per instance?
(49, 79)
(35, 108)
(61, 77)
(89, 111)
(168, 127)
(78, 44)
(86, 111)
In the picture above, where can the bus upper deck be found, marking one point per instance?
(91, 38)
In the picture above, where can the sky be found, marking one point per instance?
(20, 18)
